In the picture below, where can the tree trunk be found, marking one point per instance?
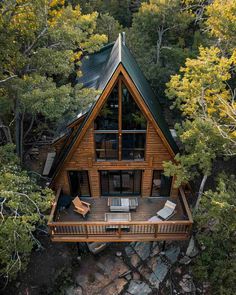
(201, 189)
(159, 44)
(7, 132)
(18, 130)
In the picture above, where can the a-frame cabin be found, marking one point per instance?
(112, 153)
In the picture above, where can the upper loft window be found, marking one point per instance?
(132, 117)
(120, 127)
(108, 116)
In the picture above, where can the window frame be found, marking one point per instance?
(79, 191)
(171, 182)
(120, 173)
(120, 131)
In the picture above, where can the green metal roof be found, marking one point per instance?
(98, 69)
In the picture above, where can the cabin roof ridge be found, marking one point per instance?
(99, 69)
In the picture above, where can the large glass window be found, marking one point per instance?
(79, 183)
(120, 182)
(108, 116)
(120, 127)
(133, 146)
(106, 146)
(132, 117)
(161, 184)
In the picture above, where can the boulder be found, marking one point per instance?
(172, 254)
(192, 249)
(149, 276)
(187, 284)
(129, 251)
(139, 288)
(135, 260)
(72, 290)
(155, 249)
(185, 260)
(116, 287)
(143, 249)
(159, 268)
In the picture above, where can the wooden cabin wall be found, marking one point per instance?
(84, 158)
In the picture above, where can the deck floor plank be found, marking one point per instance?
(147, 208)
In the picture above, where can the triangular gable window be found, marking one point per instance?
(120, 127)
(132, 117)
(108, 116)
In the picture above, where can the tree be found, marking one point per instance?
(216, 221)
(202, 145)
(159, 38)
(41, 46)
(201, 92)
(121, 10)
(106, 24)
(22, 207)
(221, 22)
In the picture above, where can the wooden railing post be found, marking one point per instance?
(156, 230)
(119, 230)
(86, 230)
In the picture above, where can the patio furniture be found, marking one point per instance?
(81, 207)
(117, 217)
(168, 211)
(122, 204)
(157, 183)
(154, 219)
(133, 203)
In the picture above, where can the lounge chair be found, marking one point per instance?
(81, 207)
(168, 210)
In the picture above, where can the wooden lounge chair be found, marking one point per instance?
(168, 210)
(81, 207)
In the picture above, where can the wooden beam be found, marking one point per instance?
(120, 120)
(188, 211)
(54, 205)
(131, 238)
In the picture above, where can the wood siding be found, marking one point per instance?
(84, 158)
(82, 154)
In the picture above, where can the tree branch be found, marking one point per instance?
(7, 79)
(36, 40)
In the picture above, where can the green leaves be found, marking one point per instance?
(201, 84)
(216, 220)
(41, 46)
(202, 145)
(22, 207)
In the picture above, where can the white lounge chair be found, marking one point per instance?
(168, 210)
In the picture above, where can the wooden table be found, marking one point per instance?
(117, 217)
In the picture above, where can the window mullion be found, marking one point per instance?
(120, 120)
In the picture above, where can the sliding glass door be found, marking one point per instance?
(79, 183)
(120, 182)
(161, 184)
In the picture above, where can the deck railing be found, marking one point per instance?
(88, 231)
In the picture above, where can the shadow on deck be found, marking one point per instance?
(147, 208)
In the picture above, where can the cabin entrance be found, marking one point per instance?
(161, 184)
(120, 182)
(79, 183)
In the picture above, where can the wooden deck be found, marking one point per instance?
(68, 226)
(146, 209)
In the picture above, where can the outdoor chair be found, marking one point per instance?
(168, 210)
(81, 207)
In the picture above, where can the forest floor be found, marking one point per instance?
(121, 269)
